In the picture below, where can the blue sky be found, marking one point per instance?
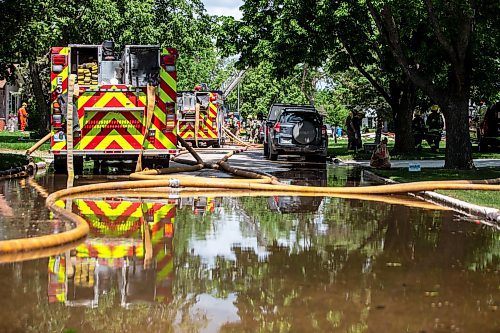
(224, 7)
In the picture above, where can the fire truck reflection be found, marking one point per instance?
(201, 205)
(129, 250)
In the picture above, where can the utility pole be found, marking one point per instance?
(238, 106)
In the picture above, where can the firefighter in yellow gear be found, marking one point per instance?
(435, 127)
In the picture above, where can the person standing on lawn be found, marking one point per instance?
(435, 127)
(351, 132)
(22, 115)
(419, 130)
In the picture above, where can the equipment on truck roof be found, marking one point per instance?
(110, 113)
(200, 116)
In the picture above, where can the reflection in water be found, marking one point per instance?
(234, 265)
(129, 248)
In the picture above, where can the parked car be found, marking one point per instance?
(299, 204)
(295, 130)
(329, 130)
(490, 138)
(272, 116)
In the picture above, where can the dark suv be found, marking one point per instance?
(295, 130)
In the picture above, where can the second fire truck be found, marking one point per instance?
(200, 115)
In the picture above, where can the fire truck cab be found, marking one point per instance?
(200, 116)
(111, 106)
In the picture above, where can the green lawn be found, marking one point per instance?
(339, 150)
(482, 198)
(8, 161)
(19, 141)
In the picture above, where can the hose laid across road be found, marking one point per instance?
(162, 180)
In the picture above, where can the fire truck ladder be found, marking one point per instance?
(232, 82)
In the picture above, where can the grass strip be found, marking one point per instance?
(19, 141)
(481, 198)
(339, 150)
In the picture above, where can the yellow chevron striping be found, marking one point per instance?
(165, 271)
(59, 145)
(64, 75)
(162, 116)
(114, 136)
(119, 210)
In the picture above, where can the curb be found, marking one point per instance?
(487, 213)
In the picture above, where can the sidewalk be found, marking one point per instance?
(479, 163)
(45, 155)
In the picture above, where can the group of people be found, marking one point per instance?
(430, 130)
(251, 126)
(20, 120)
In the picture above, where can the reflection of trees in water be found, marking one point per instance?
(341, 280)
(346, 272)
(29, 213)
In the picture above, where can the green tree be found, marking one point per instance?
(287, 33)
(454, 31)
(398, 46)
(31, 27)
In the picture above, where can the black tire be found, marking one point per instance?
(272, 155)
(61, 167)
(155, 163)
(266, 150)
(304, 132)
(78, 165)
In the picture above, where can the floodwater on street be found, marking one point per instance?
(266, 264)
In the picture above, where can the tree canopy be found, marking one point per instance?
(400, 47)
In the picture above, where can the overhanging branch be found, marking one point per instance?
(438, 31)
(365, 73)
(387, 28)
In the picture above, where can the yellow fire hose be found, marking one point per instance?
(263, 185)
(160, 193)
(39, 143)
(151, 95)
(196, 123)
(160, 180)
(235, 138)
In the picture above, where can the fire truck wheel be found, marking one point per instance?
(156, 163)
(60, 165)
(78, 165)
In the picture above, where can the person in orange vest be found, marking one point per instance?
(22, 114)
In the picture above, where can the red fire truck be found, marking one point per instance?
(200, 116)
(110, 105)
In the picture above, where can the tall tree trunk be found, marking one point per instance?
(380, 125)
(40, 97)
(404, 142)
(458, 144)
(458, 56)
(402, 109)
